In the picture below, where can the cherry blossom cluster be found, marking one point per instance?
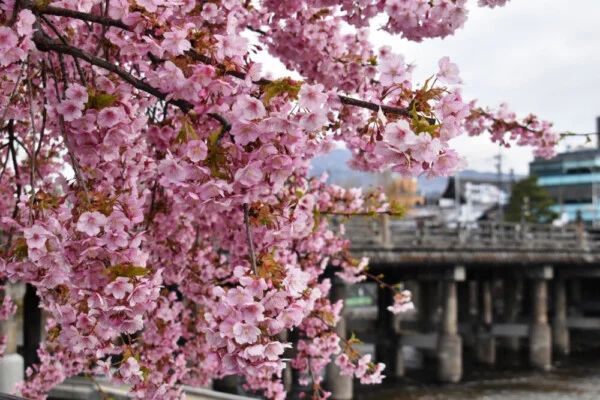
(506, 128)
(155, 188)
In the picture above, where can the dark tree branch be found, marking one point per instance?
(63, 12)
(13, 152)
(406, 112)
(15, 12)
(44, 43)
(152, 202)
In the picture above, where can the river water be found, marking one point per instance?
(576, 377)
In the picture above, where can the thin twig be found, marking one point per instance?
(78, 174)
(249, 236)
(4, 164)
(316, 386)
(12, 94)
(13, 151)
(15, 13)
(44, 113)
(105, 395)
(152, 202)
(64, 40)
(32, 152)
(63, 131)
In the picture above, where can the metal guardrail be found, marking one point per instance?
(4, 396)
(364, 232)
(81, 389)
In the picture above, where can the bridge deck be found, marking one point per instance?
(484, 244)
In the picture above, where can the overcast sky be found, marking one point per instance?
(540, 56)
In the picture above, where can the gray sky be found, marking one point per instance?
(539, 56)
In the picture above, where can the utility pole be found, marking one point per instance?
(499, 169)
(457, 198)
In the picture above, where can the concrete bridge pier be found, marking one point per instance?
(449, 345)
(485, 347)
(540, 336)
(428, 305)
(575, 296)
(513, 294)
(560, 330)
(341, 387)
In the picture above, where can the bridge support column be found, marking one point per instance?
(341, 387)
(428, 305)
(485, 349)
(12, 365)
(575, 296)
(399, 364)
(540, 337)
(560, 331)
(513, 293)
(449, 344)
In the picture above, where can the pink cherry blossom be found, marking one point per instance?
(273, 350)
(250, 175)
(449, 72)
(196, 150)
(78, 94)
(245, 333)
(312, 96)
(130, 370)
(110, 116)
(8, 39)
(119, 288)
(248, 108)
(91, 223)
(175, 42)
(171, 170)
(35, 236)
(393, 70)
(70, 110)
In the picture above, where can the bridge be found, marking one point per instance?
(480, 286)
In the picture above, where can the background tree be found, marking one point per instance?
(538, 206)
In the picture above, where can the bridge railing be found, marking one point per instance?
(386, 232)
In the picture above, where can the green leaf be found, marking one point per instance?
(125, 270)
(186, 133)
(135, 271)
(145, 372)
(99, 101)
(281, 87)
(317, 218)
(214, 137)
(396, 209)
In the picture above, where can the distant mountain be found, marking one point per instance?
(336, 166)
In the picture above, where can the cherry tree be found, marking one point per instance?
(154, 183)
